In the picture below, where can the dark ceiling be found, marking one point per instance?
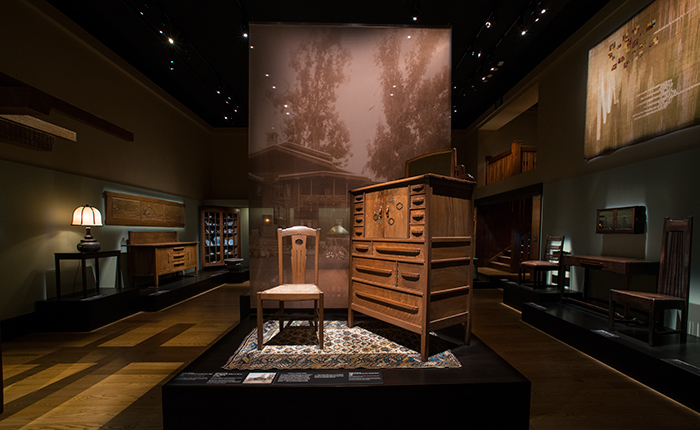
(206, 66)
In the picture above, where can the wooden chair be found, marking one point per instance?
(438, 162)
(672, 287)
(298, 289)
(551, 261)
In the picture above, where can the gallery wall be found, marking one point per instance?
(171, 157)
(658, 173)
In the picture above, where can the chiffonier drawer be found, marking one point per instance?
(418, 201)
(417, 216)
(412, 276)
(399, 251)
(394, 304)
(375, 271)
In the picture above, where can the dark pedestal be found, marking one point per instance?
(77, 313)
(671, 368)
(486, 392)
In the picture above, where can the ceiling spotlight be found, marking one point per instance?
(245, 35)
(490, 20)
(415, 18)
(171, 40)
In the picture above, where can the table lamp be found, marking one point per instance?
(87, 216)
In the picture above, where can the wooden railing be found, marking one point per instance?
(517, 159)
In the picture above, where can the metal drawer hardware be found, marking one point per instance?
(388, 302)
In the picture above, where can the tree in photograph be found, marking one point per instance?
(416, 106)
(309, 105)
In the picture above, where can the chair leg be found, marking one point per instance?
(320, 321)
(260, 323)
(281, 314)
(684, 325)
(611, 315)
(652, 325)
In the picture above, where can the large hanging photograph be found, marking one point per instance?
(644, 79)
(332, 108)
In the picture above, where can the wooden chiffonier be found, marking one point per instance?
(155, 253)
(412, 252)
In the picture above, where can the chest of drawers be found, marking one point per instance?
(412, 253)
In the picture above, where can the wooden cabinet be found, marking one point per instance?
(155, 253)
(412, 252)
(220, 235)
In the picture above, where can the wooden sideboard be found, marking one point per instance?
(412, 252)
(155, 253)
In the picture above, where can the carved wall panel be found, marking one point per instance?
(127, 209)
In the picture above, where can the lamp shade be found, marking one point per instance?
(87, 216)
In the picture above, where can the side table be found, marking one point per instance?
(82, 256)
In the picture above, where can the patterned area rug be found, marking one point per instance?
(369, 345)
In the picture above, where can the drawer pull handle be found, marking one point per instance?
(358, 198)
(418, 202)
(374, 270)
(358, 220)
(410, 276)
(388, 302)
(418, 217)
(358, 233)
(178, 264)
(417, 233)
(361, 248)
(179, 248)
(358, 208)
(418, 188)
(178, 255)
(399, 251)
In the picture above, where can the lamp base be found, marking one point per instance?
(88, 245)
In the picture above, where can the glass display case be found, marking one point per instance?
(220, 235)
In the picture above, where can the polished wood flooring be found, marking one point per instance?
(111, 378)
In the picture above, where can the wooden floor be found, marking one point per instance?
(111, 378)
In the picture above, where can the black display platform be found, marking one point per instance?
(515, 295)
(671, 368)
(486, 392)
(75, 313)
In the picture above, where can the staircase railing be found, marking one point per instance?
(516, 160)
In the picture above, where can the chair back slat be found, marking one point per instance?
(553, 248)
(674, 269)
(299, 253)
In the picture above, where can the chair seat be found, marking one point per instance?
(291, 292)
(539, 264)
(647, 296)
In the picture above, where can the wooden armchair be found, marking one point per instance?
(297, 290)
(551, 261)
(673, 285)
